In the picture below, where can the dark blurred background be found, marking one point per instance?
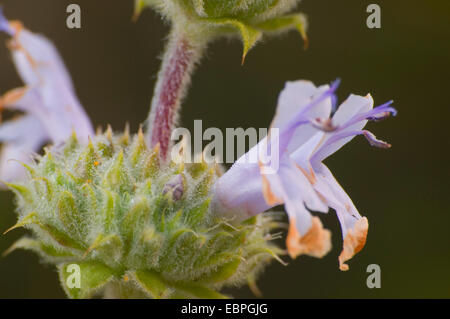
(403, 191)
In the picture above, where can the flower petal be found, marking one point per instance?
(49, 94)
(302, 155)
(294, 186)
(67, 114)
(316, 242)
(23, 99)
(354, 242)
(11, 169)
(306, 234)
(239, 192)
(58, 111)
(353, 106)
(33, 54)
(354, 227)
(24, 130)
(21, 138)
(4, 24)
(293, 100)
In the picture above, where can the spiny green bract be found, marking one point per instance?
(244, 10)
(133, 226)
(207, 19)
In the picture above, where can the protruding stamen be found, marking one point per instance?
(379, 113)
(373, 141)
(371, 138)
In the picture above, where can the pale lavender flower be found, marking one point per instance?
(302, 182)
(48, 99)
(350, 118)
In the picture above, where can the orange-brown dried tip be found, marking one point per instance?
(316, 242)
(354, 242)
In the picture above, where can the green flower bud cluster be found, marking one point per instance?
(249, 18)
(133, 225)
(243, 10)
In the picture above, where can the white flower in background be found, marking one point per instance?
(302, 182)
(52, 110)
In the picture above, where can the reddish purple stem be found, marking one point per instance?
(174, 77)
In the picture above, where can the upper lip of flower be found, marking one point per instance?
(306, 138)
(5, 25)
(48, 97)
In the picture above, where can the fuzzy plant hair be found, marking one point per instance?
(134, 224)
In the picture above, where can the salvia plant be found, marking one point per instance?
(139, 223)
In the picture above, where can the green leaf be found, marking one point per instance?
(249, 35)
(198, 213)
(21, 191)
(224, 272)
(61, 238)
(152, 164)
(292, 21)
(139, 6)
(83, 279)
(271, 253)
(124, 140)
(135, 218)
(29, 169)
(71, 145)
(239, 9)
(174, 221)
(199, 291)
(27, 220)
(110, 244)
(250, 221)
(109, 204)
(177, 241)
(69, 214)
(106, 150)
(57, 235)
(90, 200)
(48, 252)
(159, 210)
(197, 169)
(49, 189)
(87, 163)
(22, 243)
(116, 177)
(139, 149)
(217, 8)
(49, 163)
(152, 283)
(204, 183)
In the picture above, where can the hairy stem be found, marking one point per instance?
(182, 52)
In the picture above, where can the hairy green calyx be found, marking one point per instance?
(250, 19)
(133, 226)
